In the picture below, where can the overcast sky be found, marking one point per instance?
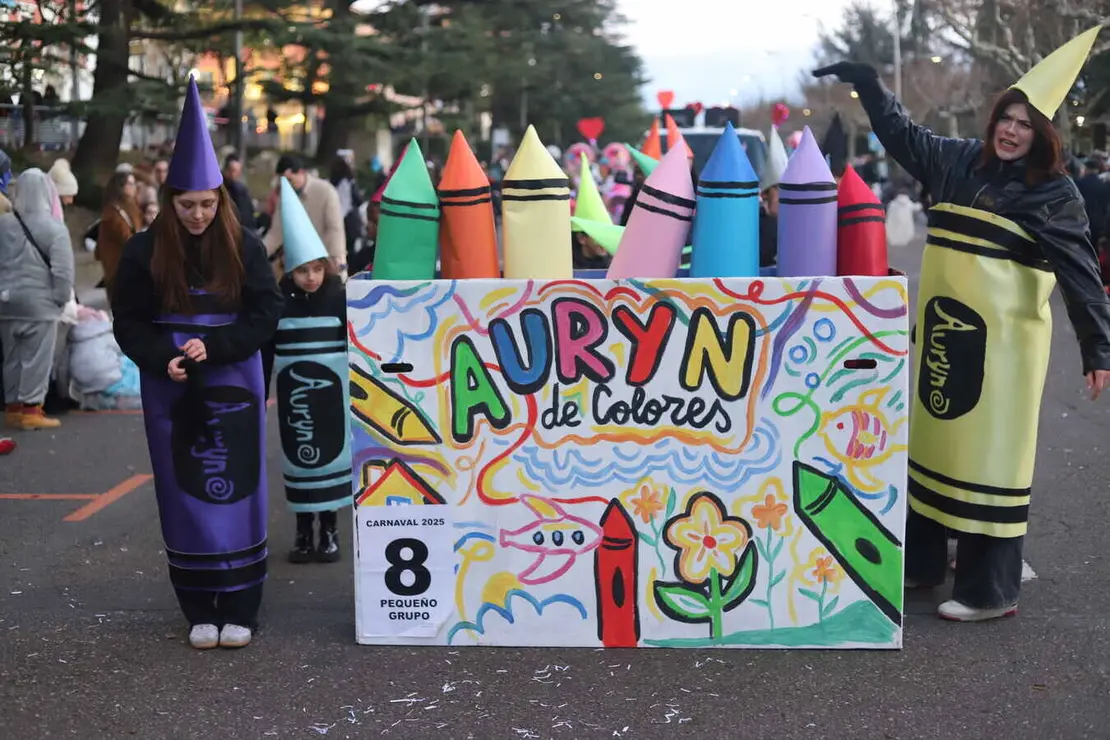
(705, 49)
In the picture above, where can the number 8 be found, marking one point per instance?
(422, 578)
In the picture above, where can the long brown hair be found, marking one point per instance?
(221, 263)
(1045, 160)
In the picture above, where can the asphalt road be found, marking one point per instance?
(92, 644)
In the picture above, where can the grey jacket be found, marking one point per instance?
(29, 290)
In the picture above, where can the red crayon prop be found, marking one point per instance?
(861, 238)
(615, 573)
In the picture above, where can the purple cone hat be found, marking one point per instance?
(194, 165)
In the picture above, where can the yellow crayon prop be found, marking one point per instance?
(535, 214)
(393, 418)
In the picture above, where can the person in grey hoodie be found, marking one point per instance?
(36, 281)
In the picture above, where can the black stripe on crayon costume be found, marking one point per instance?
(311, 334)
(711, 194)
(967, 485)
(969, 511)
(1000, 254)
(193, 557)
(553, 182)
(408, 204)
(317, 497)
(663, 211)
(464, 193)
(476, 202)
(414, 216)
(313, 400)
(806, 186)
(227, 579)
(978, 228)
(524, 198)
(808, 201)
(861, 220)
(721, 184)
(671, 198)
(861, 207)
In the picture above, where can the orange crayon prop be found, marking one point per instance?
(467, 236)
(674, 136)
(653, 145)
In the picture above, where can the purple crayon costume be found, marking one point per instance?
(206, 438)
(206, 435)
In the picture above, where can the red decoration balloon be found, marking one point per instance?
(696, 107)
(591, 128)
(665, 98)
(779, 113)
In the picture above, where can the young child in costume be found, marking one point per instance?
(310, 369)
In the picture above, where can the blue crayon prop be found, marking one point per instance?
(807, 214)
(726, 227)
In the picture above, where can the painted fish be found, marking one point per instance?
(555, 537)
(860, 437)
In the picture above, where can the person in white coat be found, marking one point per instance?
(900, 221)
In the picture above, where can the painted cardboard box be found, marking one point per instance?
(659, 463)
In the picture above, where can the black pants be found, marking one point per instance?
(988, 569)
(221, 607)
(328, 520)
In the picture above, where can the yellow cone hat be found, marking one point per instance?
(1048, 83)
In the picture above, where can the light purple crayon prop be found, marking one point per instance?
(807, 214)
(659, 225)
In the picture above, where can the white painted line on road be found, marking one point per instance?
(1027, 572)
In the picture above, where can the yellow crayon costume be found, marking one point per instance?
(984, 327)
(984, 330)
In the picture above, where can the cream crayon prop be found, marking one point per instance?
(807, 214)
(535, 214)
(659, 224)
(726, 231)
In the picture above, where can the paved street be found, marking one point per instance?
(92, 643)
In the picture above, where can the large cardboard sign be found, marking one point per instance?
(675, 463)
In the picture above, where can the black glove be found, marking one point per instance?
(854, 73)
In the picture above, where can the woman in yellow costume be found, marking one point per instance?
(1008, 225)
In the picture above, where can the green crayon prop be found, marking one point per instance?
(646, 164)
(408, 228)
(863, 547)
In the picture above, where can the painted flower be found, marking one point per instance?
(769, 514)
(706, 539)
(820, 567)
(647, 501)
(825, 570)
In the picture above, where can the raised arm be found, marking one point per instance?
(923, 154)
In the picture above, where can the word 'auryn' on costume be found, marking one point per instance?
(207, 435)
(310, 366)
(984, 329)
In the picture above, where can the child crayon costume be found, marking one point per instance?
(996, 249)
(206, 436)
(311, 388)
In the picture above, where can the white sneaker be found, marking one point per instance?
(954, 611)
(204, 636)
(234, 636)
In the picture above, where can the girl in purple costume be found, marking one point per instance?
(195, 300)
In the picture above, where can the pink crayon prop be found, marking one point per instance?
(659, 225)
(807, 214)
